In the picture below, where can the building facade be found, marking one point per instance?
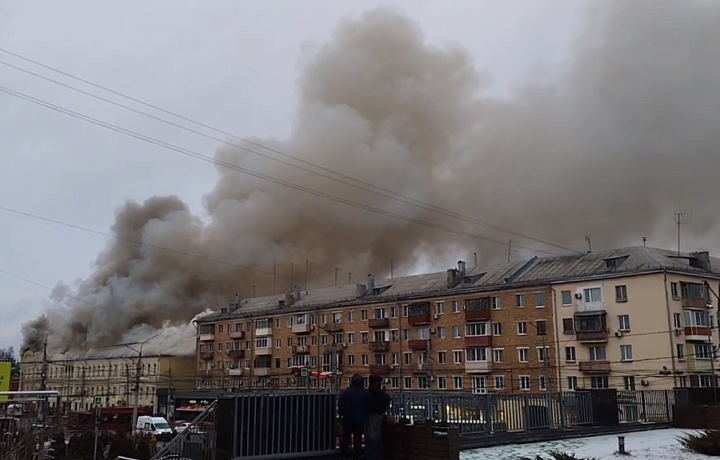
(111, 375)
(620, 318)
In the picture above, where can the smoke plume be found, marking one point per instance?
(626, 136)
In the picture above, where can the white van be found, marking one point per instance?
(157, 426)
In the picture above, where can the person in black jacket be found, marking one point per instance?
(373, 430)
(354, 410)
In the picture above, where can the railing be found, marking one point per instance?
(646, 405)
(196, 442)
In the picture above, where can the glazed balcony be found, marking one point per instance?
(380, 369)
(261, 371)
(263, 331)
(235, 372)
(301, 328)
(477, 315)
(419, 319)
(478, 341)
(207, 337)
(594, 367)
(592, 336)
(300, 350)
(379, 323)
(263, 351)
(380, 346)
(478, 367)
(419, 345)
(697, 333)
(237, 335)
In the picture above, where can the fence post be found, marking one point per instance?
(488, 413)
(667, 406)
(642, 403)
(561, 401)
(526, 412)
(235, 427)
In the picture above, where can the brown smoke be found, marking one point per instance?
(628, 135)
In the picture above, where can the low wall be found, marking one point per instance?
(696, 416)
(419, 442)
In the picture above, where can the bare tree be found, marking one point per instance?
(7, 354)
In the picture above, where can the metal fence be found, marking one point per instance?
(647, 405)
(195, 442)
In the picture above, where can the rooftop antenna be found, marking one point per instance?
(588, 238)
(474, 261)
(349, 277)
(644, 240)
(307, 267)
(681, 218)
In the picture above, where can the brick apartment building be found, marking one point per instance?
(481, 329)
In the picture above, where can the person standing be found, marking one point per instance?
(354, 411)
(380, 403)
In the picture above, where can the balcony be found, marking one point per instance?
(380, 369)
(261, 371)
(592, 336)
(333, 327)
(699, 365)
(207, 355)
(594, 367)
(235, 372)
(237, 335)
(238, 354)
(207, 337)
(263, 351)
(379, 323)
(300, 350)
(698, 304)
(380, 346)
(301, 328)
(478, 367)
(418, 344)
(477, 315)
(697, 333)
(263, 331)
(419, 319)
(478, 341)
(421, 369)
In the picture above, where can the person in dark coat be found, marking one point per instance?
(354, 410)
(373, 429)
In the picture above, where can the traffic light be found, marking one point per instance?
(296, 371)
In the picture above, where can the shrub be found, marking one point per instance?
(704, 442)
(555, 455)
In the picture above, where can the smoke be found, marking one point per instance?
(625, 137)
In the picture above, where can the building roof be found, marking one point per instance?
(546, 270)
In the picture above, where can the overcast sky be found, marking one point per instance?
(230, 64)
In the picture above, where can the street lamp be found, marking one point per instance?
(137, 375)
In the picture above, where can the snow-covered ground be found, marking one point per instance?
(644, 445)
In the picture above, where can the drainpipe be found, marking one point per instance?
(558, 355)
(670, 327)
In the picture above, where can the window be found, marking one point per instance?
(396, 358)
(570, 354)
(524, 381)
(498, 355)
(407, 383)
(262, 342)
(523, 355)
(457, 357)
(496, 303)
(691, 291)
(479, 382)
(520, 300)
(442, 383)
(422, 383)
(497, 329)
(457, 382)
(702, 350)
(543, 353)
(540, 300)
(366, 360)
(365, 337)
(592, 295)
(674, 290)
(393, 312)
(541, 327)
(542, 383)
(456, 306)
(599, 382)
(697, 318)
(423, 333)
(407, 334)
(568, 326)
(456, 332)
(629, 382)
(499, 382)
(624, 323)
(621, 293)
(440, 308)
(351, 360)
(706, 380)
(680, 351)
(572, 382)
(476, 329)
(441, 332)
(522, 328)
(476, 354)
(351, 316)
(626, 353)
(395, 382)
(351, 337)
(597, 353)
(407, 358)
(566, 298)
(677, 320)
(363, 315)
(442, 357)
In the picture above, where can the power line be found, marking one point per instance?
(373, 188)
(261, 176)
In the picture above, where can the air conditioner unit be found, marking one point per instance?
(644, 383)
(436, 316)
(578, 296)
(678, 331)
(619, 333)
(480, 391)
(432, 330)
(344, 345)
(709, 305)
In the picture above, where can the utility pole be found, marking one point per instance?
(138, 374)
(588, 238)
(681, 218)
(107, 386)
(127, 385)
(713, 349)
(82, 389)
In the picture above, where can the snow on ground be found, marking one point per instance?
(643, 445)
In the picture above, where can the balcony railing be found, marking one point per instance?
(263, 351)
(237, 335)
(263, 331)
(235, 372)
(478, 367)
(261, 371)
(379, 323)
(301, 328)
(207, 337)
(478, 341)
(380, 346)
(380, 369)
(419, 319)
(236, 353)
(592, 336)
(300, 349)
(697, 333)
(207, 355)
(594, 367)
(333, 327)
(417, 344)
(477, 315)
(694, 303)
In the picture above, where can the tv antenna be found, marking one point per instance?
(588, 238)
(681, 218)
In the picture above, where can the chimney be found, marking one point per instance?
(452, 278)
(223, 310)
(238, 301)
(700, 260)
(462, 269)
(298, 294)
(371, 282)
(361, 290)
(289, 300)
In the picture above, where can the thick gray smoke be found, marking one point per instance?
(629, 134)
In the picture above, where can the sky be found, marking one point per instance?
(232, 65)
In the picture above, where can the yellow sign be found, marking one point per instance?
(5, 377)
